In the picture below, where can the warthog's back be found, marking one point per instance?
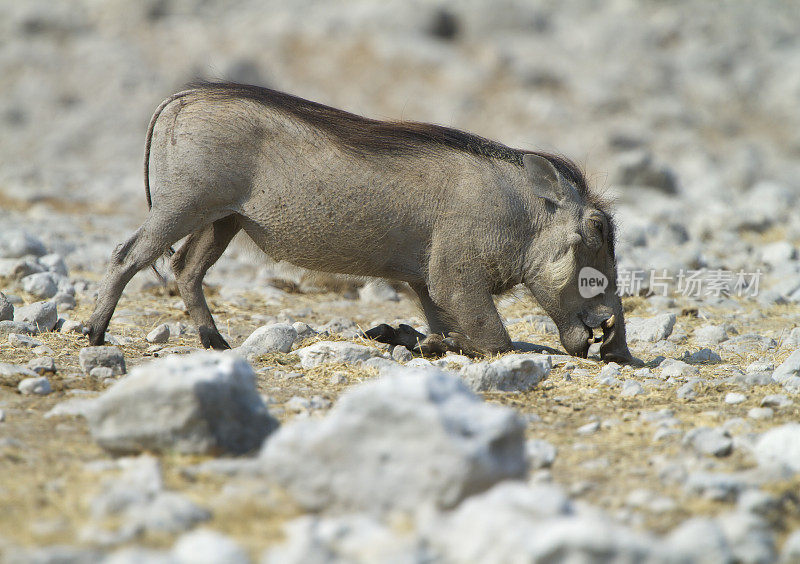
(318, 187)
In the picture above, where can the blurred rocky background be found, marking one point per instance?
(686, 111)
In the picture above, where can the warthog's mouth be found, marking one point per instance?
(601, 328)
(614, 348)
(592, 321)
(592, 337)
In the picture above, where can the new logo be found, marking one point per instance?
(591, 282)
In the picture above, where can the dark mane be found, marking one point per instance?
(364, 135)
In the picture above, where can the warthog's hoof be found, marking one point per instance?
(404, 335)
(461, 344)
(211, 339)
(96, 337)
(623, 359)
(433, 345)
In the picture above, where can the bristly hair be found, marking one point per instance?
(364, 135)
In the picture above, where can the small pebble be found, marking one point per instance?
(581, 488)
(19, 340)
(401, 354)
(297, 403)
(319, 402)
(589, 428)
(776, 400)
(540, 454)
(35, 386)
(54, 263)
(159, 335)
(177, 329)
(734, 398)
(760, 366)
(758, 502)
(631, 388)
(119, 341)
(657, 416)
(64, 301)
(42, 364)
(203, 545)
(761, 413)
(304, 330)
(70, 326)
(101, 372)
(110, 357)
(701, 356)
(338, 379)
(737, 425)
(686, 391)
(43, 350)
(671, 368)
(612, 369)
(6, 308)
(710, 441)
(531, 418)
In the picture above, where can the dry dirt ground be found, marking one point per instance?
(46, 487)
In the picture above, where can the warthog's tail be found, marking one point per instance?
(147, 143)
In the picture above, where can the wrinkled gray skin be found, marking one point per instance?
(457, 227)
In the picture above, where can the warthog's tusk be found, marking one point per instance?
(592, 340)
(609, 323)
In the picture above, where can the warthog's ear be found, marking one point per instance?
(546, 182)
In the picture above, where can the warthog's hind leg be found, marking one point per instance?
(149, 242)
(190, 264)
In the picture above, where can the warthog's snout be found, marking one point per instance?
(577, 338)
(614, 347)
(579, 335)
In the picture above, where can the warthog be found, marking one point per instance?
(458, 217)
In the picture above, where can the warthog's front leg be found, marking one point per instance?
(437, 321)
(463, 296)
(479, 329)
